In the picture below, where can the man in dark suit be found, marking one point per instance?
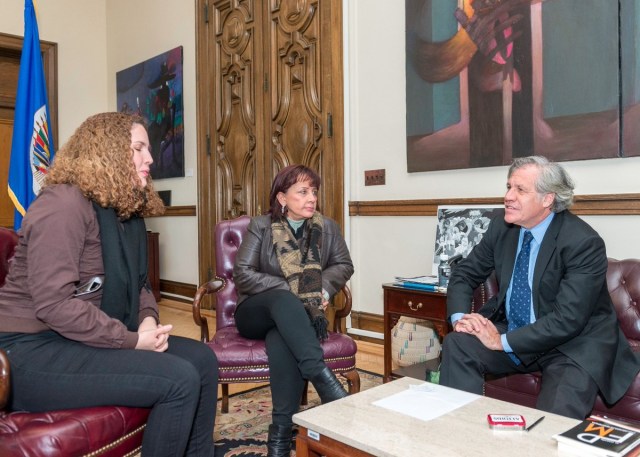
(552, 313)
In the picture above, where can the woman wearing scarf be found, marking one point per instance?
(78, 320)
(291, 261)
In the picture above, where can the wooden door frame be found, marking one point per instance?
(205, 123)
(204, 114)
(11, 53)
(12, 45)
(335, 124)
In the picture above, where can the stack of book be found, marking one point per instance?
(600, 437)
(420, 282)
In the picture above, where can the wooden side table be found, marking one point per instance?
(421, 304)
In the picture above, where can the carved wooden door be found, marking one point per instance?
(271, 75)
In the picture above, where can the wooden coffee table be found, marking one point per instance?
(354, 427)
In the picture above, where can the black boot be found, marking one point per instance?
(294, 435)
(328, 386)
(279, 441)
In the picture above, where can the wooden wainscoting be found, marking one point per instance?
(592, 205)
(602, 204)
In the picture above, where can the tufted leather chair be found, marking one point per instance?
(623, 281)
(244, 360)
(105, 431)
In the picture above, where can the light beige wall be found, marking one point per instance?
(97, 38)
(136, 31)
(383, 247)
(79, 29)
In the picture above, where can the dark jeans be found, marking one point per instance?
(50, 372)
(278, 317)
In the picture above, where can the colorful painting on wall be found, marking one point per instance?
(490, 80)
(153, 89)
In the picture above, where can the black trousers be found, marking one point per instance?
(294, 352)
(567, 389)
(50, 372)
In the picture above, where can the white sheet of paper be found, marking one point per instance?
(426, 401)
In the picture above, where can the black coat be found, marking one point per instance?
(571, 302)
(257, 268)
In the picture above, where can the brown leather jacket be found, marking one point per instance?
(257, 269)
(59, 248)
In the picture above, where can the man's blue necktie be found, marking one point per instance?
(520, 302)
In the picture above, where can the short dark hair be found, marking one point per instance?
(286, 178)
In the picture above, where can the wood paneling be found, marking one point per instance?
(367, 321)
(269, 95)
(6, 205)
(178, 288)
(10, 53)
(182, 211)
(9, 68)
(601, 204)
(153, 262)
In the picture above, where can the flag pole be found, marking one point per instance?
(32, 143)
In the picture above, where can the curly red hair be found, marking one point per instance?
(98, 160)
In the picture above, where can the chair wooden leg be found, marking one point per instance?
(225, 398)
(305, 400)
(353, 380)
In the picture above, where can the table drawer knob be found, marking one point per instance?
(412, 307)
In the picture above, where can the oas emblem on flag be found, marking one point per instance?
(39, 155)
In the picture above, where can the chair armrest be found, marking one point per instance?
(211, 287)
(5, 371)
(343, 312)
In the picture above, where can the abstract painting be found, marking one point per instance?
(153, 89)
(490, 80)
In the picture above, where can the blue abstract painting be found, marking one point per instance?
(153, 89)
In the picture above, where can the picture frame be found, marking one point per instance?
(153, 89)
(460, 229)
(525, 93)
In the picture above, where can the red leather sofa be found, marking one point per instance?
(106, 431)
(623, 281)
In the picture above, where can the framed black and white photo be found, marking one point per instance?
(460, 228)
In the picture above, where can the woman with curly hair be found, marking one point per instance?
(78, 320)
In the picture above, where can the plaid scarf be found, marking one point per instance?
(300, 264)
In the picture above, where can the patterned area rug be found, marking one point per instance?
(242, 432)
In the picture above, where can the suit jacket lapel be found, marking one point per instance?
(511, 246)
(547, 248)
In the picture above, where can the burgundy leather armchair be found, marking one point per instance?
(623, 281)
(242, 360)
(106, 431)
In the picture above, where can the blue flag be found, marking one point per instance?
(32, 144)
